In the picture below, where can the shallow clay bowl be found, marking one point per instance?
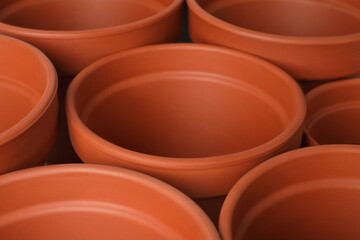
(28, 105)
(74, 33)
(195, 116)
(310, 193)
(334, 113)
(310, 39)
(96, 202)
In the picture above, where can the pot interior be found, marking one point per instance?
(313, 196)
(23, 79)
(334, 115)
(72, 15)
(298, 18)
(85, 203)
(186, 103)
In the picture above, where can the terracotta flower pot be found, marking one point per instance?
(96, 202)
(195, 116)
(74, 33)
(310, 39)
(334, 113)
(310, 193)
(28, 105)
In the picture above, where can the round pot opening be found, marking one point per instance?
(28, 83)
(298, 18)
(182, 102)
(76, 15)
(85, 201)
(311, 193)
(334, 113)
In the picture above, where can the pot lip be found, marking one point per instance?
(323, 89)
(234, 195)
(93, 33)
(188, 163)
(209, 18)
(44, 102)
(109, 171)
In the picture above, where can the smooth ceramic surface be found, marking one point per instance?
(74, 33)
(96, 202)
(310, 193)
(310, 39)
(195, 116)
(334, 113)
(28, 105)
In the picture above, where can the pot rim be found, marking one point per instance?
(188, 163)
(234, 195)
(44, 102)
(276, 38)
(93, 33)
(320, 90)
(169, 191)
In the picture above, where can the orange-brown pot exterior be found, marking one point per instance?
(29, 137)
(31, 147)
(200, 177)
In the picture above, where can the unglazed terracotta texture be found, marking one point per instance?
(28, 105)
(310, 39)
(96, 202)
(195, 116)
(310, 193)
(74, 33)
(334, 113)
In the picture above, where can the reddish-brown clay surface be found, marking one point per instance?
(195, 116)
(28, 105)
(310, 193)
(96, 202)
(310, 39)
(334, 113)
(74, 33)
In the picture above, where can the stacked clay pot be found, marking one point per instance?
(333, 115)
(28, 105)
(96, 202)
(179, 114)
(74, 33)
(310, 193)
(312, 40)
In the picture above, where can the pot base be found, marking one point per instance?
(184, 114)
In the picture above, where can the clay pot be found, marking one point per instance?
(96, 202)
(334, 113)
(310, 39)
(195, 116)
(74, 33)
(310, 193)
(28, 105)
